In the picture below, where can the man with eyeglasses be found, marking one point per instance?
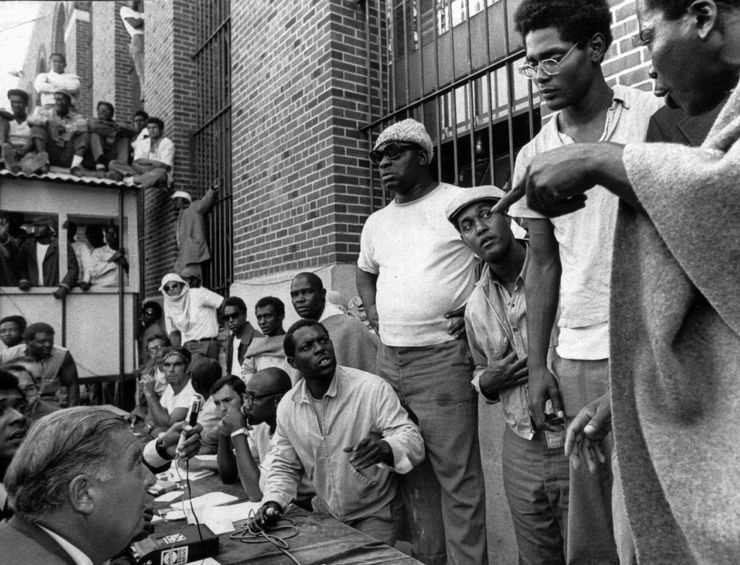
(247, 428)
(414, 275)
(346, 429)
(674, 310)
(234, 312)
(570, 257)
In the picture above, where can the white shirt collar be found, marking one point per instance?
(329, 311)
(77, 556)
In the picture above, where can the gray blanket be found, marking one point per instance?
(675, 347)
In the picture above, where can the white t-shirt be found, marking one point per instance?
(40, 254)
(170, 401)
(19, 133)
(424, 269)
(236, 367)
(585, 238)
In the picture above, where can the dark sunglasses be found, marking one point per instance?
(173, 286)
(392, 150)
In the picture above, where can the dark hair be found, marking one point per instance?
(204, 372)
(8, 381)
(141, 113)
(18, 92)
(313, 279)
(289, 342)
(181, 351)
(20, 321)
(576, 20)
(57, 54)
(273, 301)
(674, 9)
(165, 340)
(230, 380)
(67, 96)
(104, 103)
(37, 328)
(236, 302)
(155, 306)
(155, 121)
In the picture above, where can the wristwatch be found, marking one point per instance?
(239, 432)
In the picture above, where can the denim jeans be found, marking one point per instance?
(444, 497)
(536, 483)
(590, 535)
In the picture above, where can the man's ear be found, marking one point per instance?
(425, 157)
(704, 17)
(598, 47)
(278, 397)
(82, 494)
(291, 362)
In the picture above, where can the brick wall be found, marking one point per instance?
(626, 64)
(80, 53)
(104, 71)
(40, 46)
(169, 34)
(301, 189)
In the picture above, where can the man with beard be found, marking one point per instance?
(674, 309)
(353, 415)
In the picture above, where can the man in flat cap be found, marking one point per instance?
(415, 274)
(535, 469)
(190, 230)
(15, 133)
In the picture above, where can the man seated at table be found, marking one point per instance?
(354, 416)
(246, 431)
(267, 351)
(204, 372)
(78, 484)
(173, 405)
(151, 369)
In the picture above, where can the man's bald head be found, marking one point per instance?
(272, 380)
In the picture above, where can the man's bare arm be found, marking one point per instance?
(367, 287)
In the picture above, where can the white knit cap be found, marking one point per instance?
(408, 130)
(181, 194)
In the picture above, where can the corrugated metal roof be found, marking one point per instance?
(56, 174)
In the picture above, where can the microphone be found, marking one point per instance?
(196, 403)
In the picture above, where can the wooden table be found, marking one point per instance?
(320, 539)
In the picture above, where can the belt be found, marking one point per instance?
(203, 339)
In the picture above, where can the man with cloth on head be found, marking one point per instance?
(190, 315)
(674, 310)
(535, 469)
(414, 275)
(190, 228)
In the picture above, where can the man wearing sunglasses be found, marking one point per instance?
(242, 332)
(570, 257)
(413, 273)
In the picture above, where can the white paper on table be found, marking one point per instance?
(206, 561)
(169, 496)
(220, 519)
(211, 457)
(179, 475)
(205, 500)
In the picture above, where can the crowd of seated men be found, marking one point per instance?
(57, 134)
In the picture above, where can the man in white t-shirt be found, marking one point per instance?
(15, 133)
(46, 84)
(414, 276)
(154, 159)
(570, 262)
(173, 405)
